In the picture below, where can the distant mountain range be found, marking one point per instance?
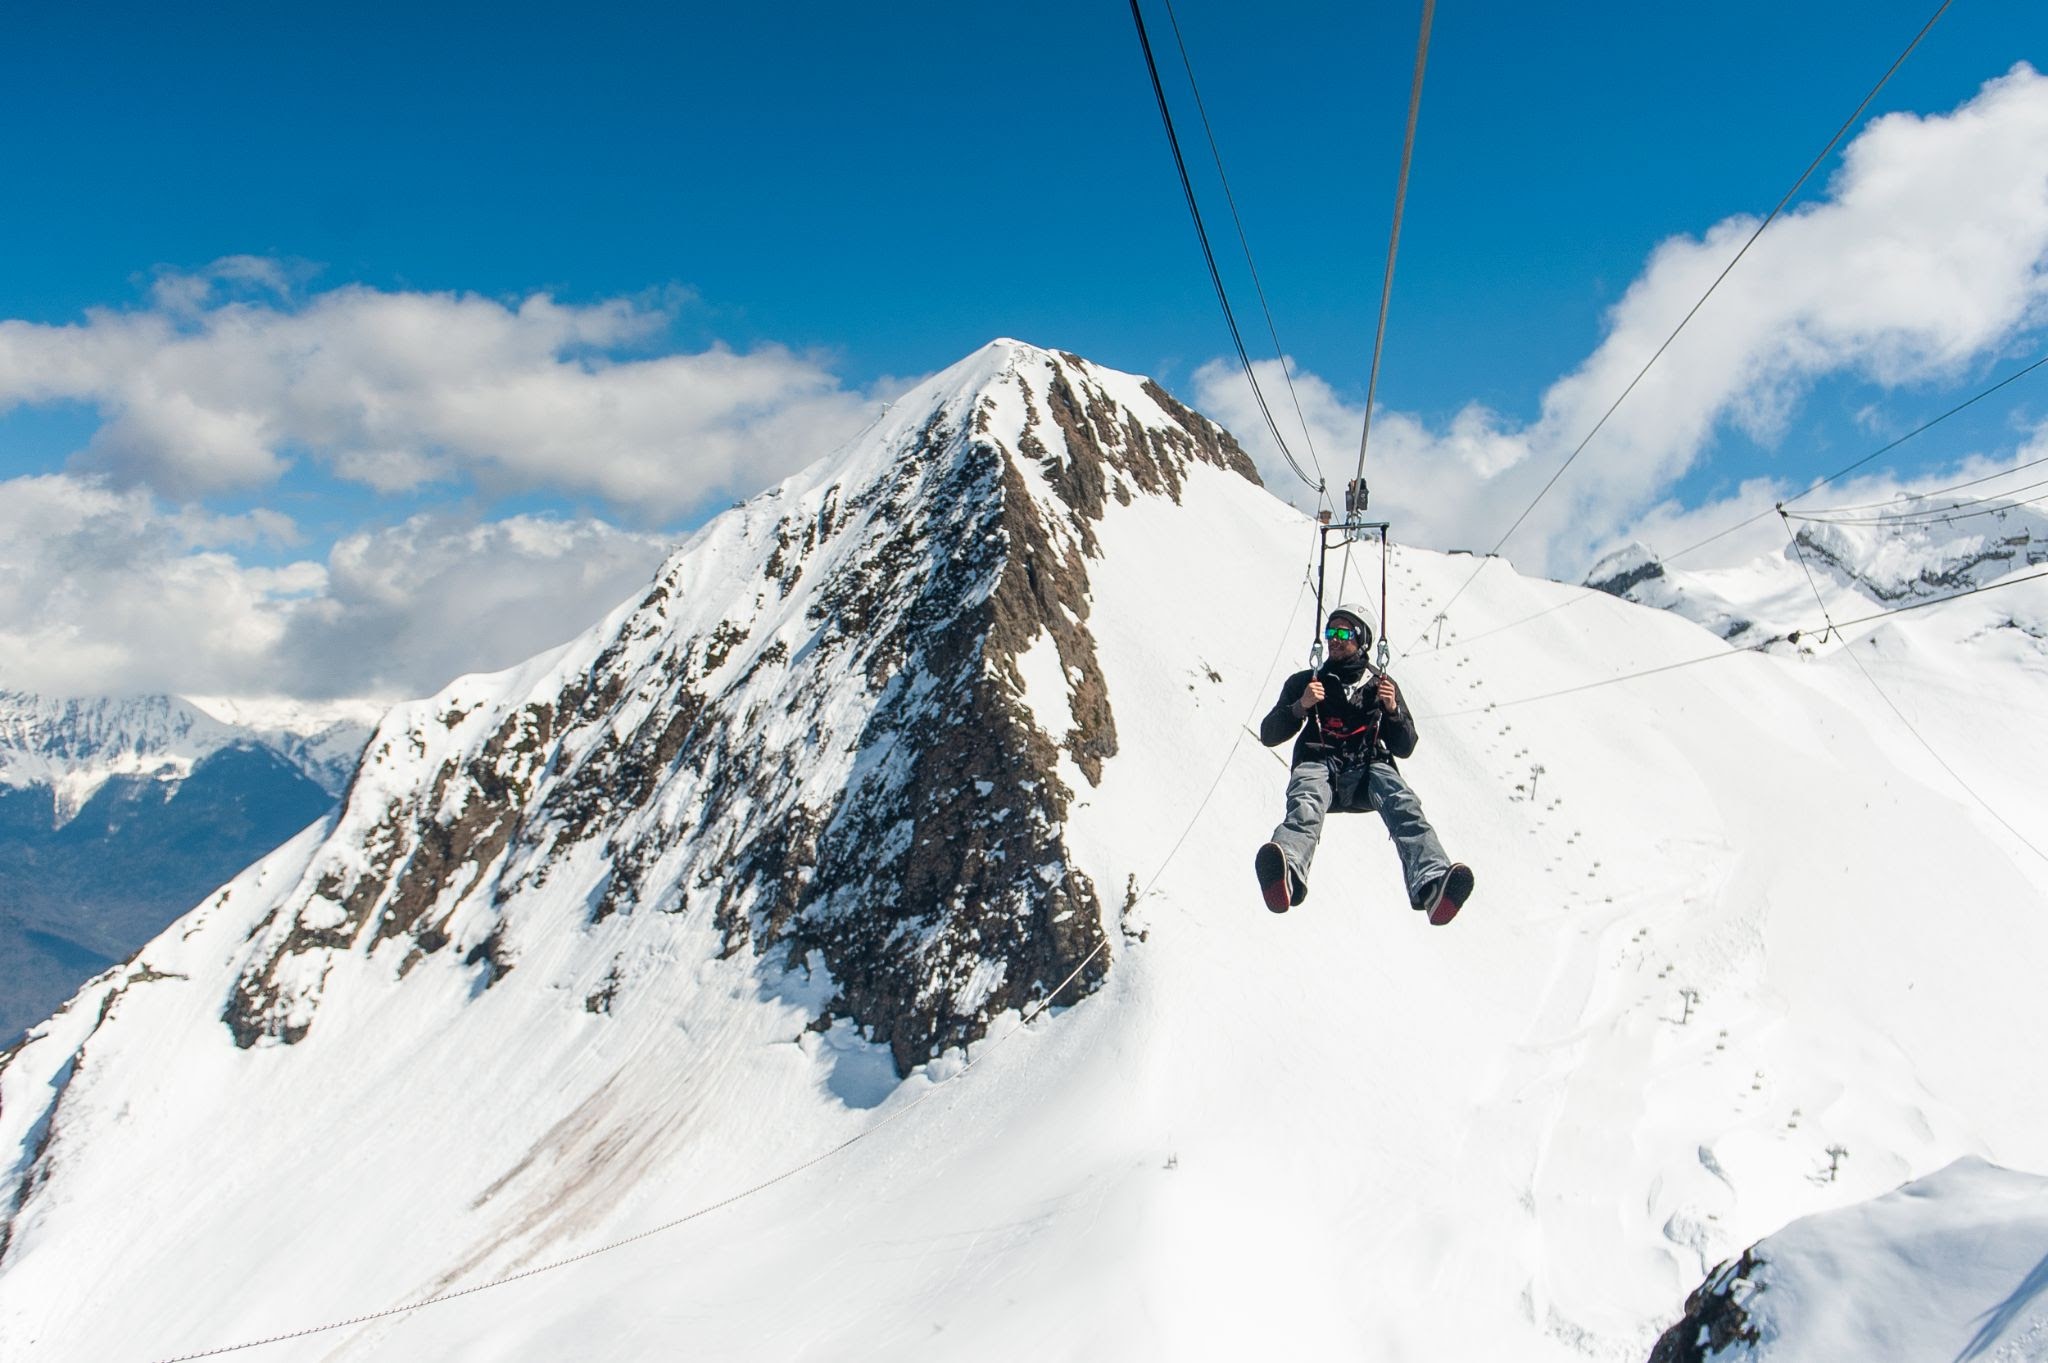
(1862, 563)
(119, 814)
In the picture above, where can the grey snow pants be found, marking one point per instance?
(1318, 789)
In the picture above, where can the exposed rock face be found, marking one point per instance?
(1716, 1314)
(1633, 573)
(1622, 571)
(813, 728)
(1925, 558)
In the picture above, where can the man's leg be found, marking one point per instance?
(1423, 862)
(1308, 800)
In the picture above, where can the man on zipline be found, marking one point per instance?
(1344, 763)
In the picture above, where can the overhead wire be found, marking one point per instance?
(1933, 515)
(1379, 339)
(1692, 312)
(1244, 243)
(1791, 636)
(1891, 705)
(1850, 468)
(1941, 761)
(1814, 486)
(1209, 254)
(1804, 567)
(1905, 497)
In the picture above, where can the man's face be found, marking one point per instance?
(1348, 645)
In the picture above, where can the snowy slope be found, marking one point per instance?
(1334, 1133)
(1951, 1266)
(1856, 566)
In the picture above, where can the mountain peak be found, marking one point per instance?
(842, 730)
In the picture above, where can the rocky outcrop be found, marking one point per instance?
(1624, 570)
(1716, 1315)
(1924, 559)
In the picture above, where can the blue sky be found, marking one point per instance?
(841, 199)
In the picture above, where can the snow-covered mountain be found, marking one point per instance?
(1857, 565)
(672, 981)
(118, 814)
(1951, 1266)
(75, 745)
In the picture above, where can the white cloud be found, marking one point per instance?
(103, 590)
(1927, 255)
(228, 377)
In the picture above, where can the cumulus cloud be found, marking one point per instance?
(105, 590)
(229, 375)
(1927, 255)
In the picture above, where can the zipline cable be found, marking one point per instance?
(1800, 554)
(1187, 188)
(1769, 218)
(1244, 242)
(1379, 339)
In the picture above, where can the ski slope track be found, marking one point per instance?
(782, 852)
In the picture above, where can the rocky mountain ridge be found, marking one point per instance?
(1883, 561)
(75, 744)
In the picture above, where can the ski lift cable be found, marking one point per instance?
(1793, 636)
(1943, 762)
(1847, 469)
(1209, 254)
(1932, 493)
(1812, 487)
(1244, 243)
(1934, 515)
(1769, 218)
(1882, 695)
(1800, 554)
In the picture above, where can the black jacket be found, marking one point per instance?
(1348, 724)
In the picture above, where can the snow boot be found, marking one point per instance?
(1273, 878)
(1442, 899)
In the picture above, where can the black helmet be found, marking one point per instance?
(1358, 616)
